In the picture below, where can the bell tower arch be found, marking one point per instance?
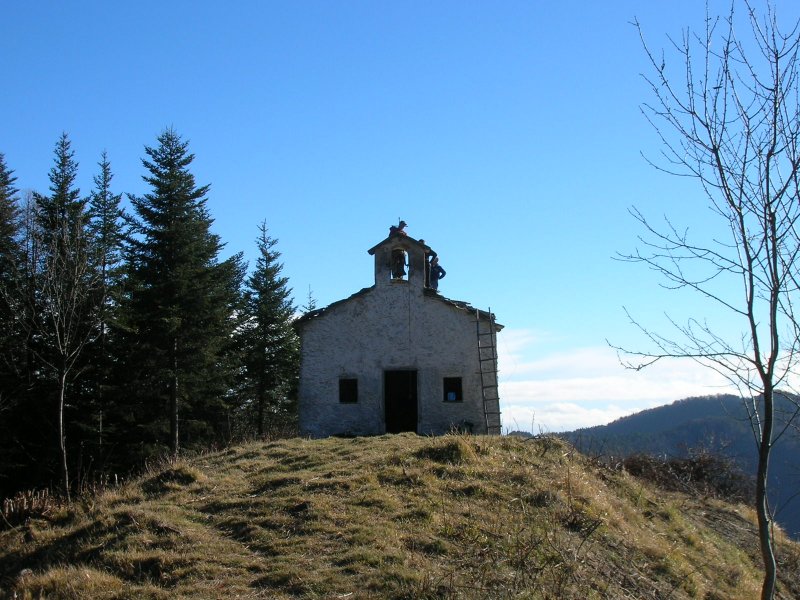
(400, 259)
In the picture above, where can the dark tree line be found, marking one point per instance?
(125, 337)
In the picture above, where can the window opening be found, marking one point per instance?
(348, 390)
(452, 389)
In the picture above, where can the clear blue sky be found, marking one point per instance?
(507, 134)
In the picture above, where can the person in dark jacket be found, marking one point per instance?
(430, 254)
(437, 273)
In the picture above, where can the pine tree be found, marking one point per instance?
(9, 247)
(270, 344)
(10, 337)
(180, 306)
(9, 216)
(64, 204)
(311, 302)
(105, 226)
(106, 232)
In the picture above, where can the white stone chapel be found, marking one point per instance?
(398, 356)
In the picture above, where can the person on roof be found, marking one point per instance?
(437, 273)
(430, 254)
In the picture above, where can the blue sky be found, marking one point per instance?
(507, 134)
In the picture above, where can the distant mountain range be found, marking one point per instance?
(715, 423)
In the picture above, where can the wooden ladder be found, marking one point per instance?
(487, 361)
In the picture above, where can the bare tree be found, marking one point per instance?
(727, 112)
(62, 312)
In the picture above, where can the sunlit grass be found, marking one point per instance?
(392, 516)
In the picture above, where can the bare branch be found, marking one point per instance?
(729, 116)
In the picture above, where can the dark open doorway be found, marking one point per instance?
(400, 400)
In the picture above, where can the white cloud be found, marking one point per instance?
(565, 390)
(561, 416)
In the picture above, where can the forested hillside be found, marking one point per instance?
(124, 334)
(715, 424)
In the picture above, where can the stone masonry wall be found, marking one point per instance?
(389, 327)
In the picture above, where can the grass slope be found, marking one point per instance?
(718, 424)
(393, 516)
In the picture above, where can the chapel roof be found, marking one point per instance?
(458, 304)
(400, 240)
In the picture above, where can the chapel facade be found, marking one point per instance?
(398, 356)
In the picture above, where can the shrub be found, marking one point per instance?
(703, 473)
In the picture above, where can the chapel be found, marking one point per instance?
(398, 356)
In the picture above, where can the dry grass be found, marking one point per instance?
(393, 516)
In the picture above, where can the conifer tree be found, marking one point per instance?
(311, 302)
(106, 225)
(180, 307)
(9, 250)
(9, 216)
(270, 344)
(64, 204)
(9, 338)
(107, 235)
(27, 438)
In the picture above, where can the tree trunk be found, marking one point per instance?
(762, 501)
(260, 403)
(173, 402)
(62, 438)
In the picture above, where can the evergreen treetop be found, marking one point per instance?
(9, 212)
(64, 204)
(106, 218)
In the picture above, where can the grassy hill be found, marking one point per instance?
(393, 516)
(715, 423)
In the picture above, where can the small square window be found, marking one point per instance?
(452, 389)
(348, 391)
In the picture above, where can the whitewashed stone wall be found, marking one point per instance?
(392, 326)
